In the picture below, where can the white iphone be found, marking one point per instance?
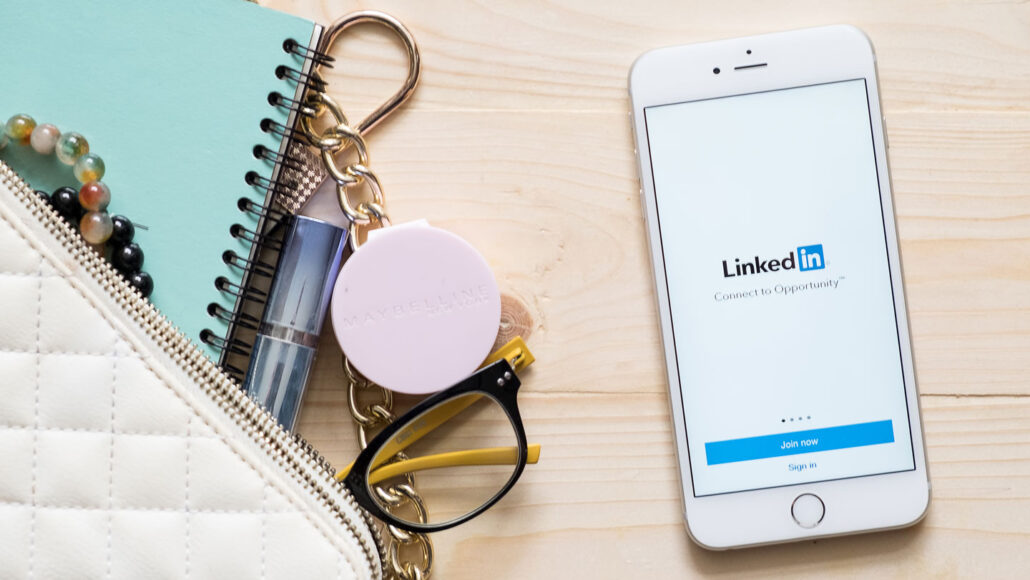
(765, 186)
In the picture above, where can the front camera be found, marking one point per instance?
(716, 70)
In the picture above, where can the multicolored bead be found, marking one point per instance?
(70, 147)
(19, 128)
(95, 196)
(44, 138)
(86, 206)
(96, 227)
(89, 167)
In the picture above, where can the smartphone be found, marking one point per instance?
(767, 196)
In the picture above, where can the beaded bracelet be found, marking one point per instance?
(86, 207)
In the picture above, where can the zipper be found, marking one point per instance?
(292, 453)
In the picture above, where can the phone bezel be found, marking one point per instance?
(792, 59)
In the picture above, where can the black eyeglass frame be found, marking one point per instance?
(498, 381)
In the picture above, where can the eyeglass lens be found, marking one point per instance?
(462, 453)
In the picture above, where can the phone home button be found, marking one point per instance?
(807, 510)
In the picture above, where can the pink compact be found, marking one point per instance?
(416, 308)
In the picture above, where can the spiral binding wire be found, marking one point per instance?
(230, 344)
(258, 267)
(277, 99)
(263, 183)
(260, 211)
(292, 46)
(242, 319)
(298, 77)
(264, 239)
(280, 130)
(276, 158)
(240, 291)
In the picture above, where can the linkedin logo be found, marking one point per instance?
(807, 258)
(811, 257)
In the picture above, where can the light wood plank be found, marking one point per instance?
(575, 55)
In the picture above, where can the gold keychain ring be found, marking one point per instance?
(338, 139)
(414, 60)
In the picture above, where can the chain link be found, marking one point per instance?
(370, 416)
(331, 143)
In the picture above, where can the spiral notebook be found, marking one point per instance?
(176, 97)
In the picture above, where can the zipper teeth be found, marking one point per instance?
(292, 453)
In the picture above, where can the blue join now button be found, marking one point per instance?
(796, 442)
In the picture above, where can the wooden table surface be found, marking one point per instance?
(518, 140)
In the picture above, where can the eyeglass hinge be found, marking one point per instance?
(515, 352)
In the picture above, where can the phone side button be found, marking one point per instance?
(807, 510)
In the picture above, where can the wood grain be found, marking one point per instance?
(536, 55)
(518, 140)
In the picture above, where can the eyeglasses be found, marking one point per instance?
(467, 443)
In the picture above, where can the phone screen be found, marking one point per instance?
(775, 249)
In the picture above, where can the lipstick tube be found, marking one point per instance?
(284, 349)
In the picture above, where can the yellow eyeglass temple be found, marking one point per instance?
(519, 357)
(487, 456)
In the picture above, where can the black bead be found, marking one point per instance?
(128, 259)
(142, 282)
(43, 195)
(66, 201)
(123, 230)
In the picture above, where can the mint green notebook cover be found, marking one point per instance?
(171, 95)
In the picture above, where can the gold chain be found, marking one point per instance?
(370, 213)
(333, 141)
(371, 416)
(368, 417)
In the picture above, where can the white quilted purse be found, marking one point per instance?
(125, 453)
